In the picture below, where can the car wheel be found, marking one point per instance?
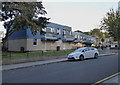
(96, 55)
(81, 57)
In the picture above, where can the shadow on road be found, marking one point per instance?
(79, 60)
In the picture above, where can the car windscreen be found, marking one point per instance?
(79, 50)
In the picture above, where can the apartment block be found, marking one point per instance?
(57, 37)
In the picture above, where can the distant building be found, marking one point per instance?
(78, 40)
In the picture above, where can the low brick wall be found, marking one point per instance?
(7, 61)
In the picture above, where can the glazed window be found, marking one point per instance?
(58, 31)
(34, 41)
(76, 36)
(70, 32)
(52, 29)
(64, 31)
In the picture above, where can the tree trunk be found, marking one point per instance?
(5, 44)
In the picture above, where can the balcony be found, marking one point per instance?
(50, 36)
(89, 41)
(68, 38)
(78, 40)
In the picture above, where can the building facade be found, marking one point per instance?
(57, 37)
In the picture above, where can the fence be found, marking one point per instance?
(17, 57)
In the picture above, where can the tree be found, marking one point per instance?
(22, 15)
(106, 34)
(111, 23)
(102, 40)
(87, 33)
(96, 32)
(78, 31)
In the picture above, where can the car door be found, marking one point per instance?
(86, 53)
(92, 52)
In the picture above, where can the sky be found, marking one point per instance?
(79, 0)
(83, 15)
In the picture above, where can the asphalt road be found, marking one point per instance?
(87, 71)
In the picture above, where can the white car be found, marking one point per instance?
(82, 53)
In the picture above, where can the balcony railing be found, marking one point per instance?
(49, 36)
(68, 38)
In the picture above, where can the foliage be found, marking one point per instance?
(106, 34)
(96, 32)
(111, 23)
(102, 39)
(22, 15)
(79, 31)
(87, 33)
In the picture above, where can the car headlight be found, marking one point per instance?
(76, 56)
(70, 55)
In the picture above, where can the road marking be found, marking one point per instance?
(98, 82)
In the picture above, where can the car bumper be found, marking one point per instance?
(71, 58)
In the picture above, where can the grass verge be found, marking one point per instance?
(40, 53)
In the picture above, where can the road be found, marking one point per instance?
(87, 71)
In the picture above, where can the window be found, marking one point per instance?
(80, 37)
(49, 29)
(70, 32)
(76, 36)
(64, 31)
(34, 41)
(87, 49)
(52, 29)
(91, 48)
(58, 31)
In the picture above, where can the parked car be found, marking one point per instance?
(82, 53)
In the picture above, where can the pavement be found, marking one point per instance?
(112, 79)
(30, 64)
(115, 79)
